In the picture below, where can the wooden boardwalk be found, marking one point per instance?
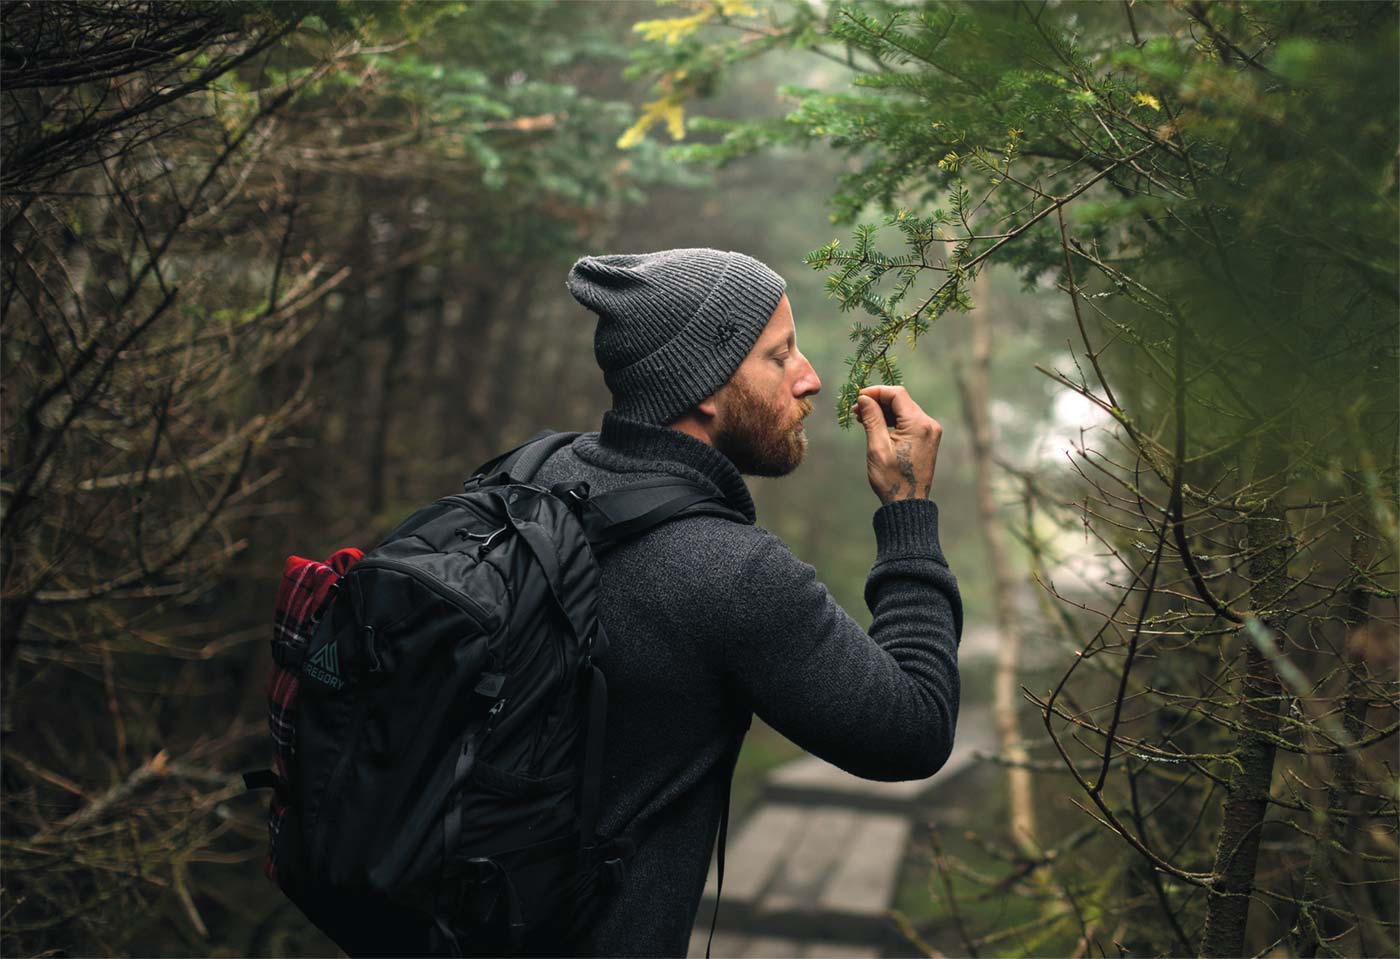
(813, 869)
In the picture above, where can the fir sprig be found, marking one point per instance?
(854, 275)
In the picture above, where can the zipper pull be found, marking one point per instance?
(375, 664)
(487, 540)
(491, 717)
(493, 538)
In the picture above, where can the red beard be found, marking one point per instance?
(754, 435)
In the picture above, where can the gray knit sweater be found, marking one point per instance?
(710, 622)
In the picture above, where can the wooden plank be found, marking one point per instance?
(752, 858)
(864, 880)
(817, 851)
(769, 947)
(840, 950)
(727, 945)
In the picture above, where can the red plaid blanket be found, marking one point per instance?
(306, 589)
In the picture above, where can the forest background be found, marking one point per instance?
(274, 274)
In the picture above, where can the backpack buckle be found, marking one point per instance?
(574, 494)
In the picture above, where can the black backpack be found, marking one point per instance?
(443, 741)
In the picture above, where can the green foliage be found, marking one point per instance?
(1209, 173)
(355, 18)
(682, 65)
(1214, 189)
(338, 206)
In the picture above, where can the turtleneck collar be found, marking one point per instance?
(628, 445)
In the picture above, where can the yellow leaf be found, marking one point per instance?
(1147, 100)
(675, 121)
(674, 29)
(736, 8)
(633, 136)
(671, 109)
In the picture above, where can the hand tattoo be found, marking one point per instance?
(906, 465)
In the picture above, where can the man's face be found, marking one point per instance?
(759, 412)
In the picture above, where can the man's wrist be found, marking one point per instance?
(899, 495)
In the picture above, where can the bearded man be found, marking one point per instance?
(712, 621)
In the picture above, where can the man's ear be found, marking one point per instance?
(698, 421)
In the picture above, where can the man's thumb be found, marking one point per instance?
(870, 417)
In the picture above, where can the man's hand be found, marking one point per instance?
(901, 443)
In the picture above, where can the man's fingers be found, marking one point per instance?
(872, 418)
(898, 400)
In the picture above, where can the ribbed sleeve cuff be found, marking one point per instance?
(907, 528)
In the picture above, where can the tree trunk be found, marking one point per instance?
(12, 613)
(1247, 796)
(1319, 885)
(397, 330)
(512, 333)
(976, 401)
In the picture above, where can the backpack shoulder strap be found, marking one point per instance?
(527, 463)
(525, 460)
(609, 518)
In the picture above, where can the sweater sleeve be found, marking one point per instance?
(881, 705)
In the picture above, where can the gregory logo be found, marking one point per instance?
(324, 667)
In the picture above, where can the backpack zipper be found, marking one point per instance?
(461, 600)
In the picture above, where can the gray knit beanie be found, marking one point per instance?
(674, 325)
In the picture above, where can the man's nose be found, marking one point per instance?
(809, 383)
